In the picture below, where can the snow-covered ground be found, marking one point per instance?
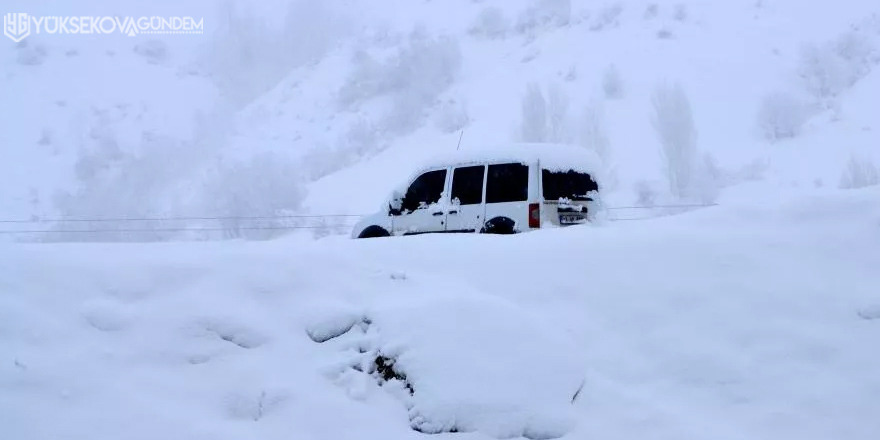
(751, 320)
(756, 318)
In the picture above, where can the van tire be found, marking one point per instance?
(499, 225)
(374, 232)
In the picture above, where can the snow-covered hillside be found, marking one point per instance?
(753, 318)
(746, 321)
(343, 97)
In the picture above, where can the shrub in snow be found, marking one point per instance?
(163, 177)
(155, 51)
(545, 119)
(248, 56)
(113, 183)
(29, 54)
(822, 72)
(572, 73)
(674, 124)
(869, 313)
(45, 137)
(860, 172)
(411, 79)
(651, 11)
(680, 13)
(544, 14)
(361, 140)
(708, 180)
(491, 23)
(612, 84)
(664, 34)
(781, 116)
(365, 81)
(452, 116)
(752, 171)
(609, 16)
(268, 185)
(858, 51)
(646, 195)
(828, 69)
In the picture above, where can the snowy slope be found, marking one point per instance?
(753, 319)
(746, 321)
(349, 95)
(727, 56)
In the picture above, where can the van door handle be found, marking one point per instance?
(437, 213)
(454, 211)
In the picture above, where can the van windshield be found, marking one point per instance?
(570, 184)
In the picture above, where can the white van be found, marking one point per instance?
(502, 190)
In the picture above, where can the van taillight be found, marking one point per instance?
(534, 215)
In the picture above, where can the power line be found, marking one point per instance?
(268, 217)
(76, 231)
(156, 219)
(663, 206)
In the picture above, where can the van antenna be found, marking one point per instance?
(459, 139)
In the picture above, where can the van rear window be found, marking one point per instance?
(571, 185)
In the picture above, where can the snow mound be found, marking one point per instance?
(466, 364)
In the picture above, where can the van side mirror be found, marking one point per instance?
(395, 205)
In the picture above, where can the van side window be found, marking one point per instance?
(467, 185)
(570, 184)
(507, 182)
(427, 189)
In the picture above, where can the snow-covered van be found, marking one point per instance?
(504, 189)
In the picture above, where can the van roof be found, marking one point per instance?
(554, 157)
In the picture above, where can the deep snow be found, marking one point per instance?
(750, 320)
(753, 319)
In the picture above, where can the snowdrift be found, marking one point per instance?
(671, 328)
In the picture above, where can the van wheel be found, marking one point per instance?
(499, 225)
(374, 232)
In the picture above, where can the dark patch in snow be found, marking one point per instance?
(383, 366)
(386, 372)
(31, 55)
(199, 359)
(154, 50)
(577, 393)
(870, 313)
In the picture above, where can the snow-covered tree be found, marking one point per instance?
(860, 172)
(674, 124)
(558, 122)
(612, 84)
(534, 115)
(781, 116)
(545, 119)
(592, 133)
(247, 56)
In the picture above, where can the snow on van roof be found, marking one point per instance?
(554, 157)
